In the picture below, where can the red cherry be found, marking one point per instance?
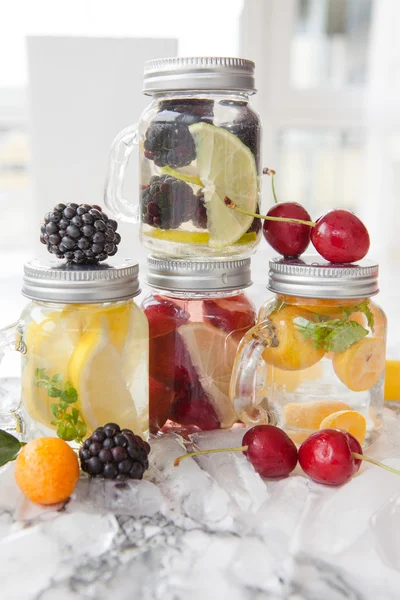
(195, 411)
(163, 316)
(288, 239)
(326, 456)
(340, 237)
(270, 450)
(236, 313)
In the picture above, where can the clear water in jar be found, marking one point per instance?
(302, 383)
(193, 343)
(194, 152)
(92, 356)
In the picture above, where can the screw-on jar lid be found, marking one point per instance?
(198, 276)
(313, 277)
(52, 281)
(199, 73)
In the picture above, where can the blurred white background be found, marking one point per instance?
(328, 75)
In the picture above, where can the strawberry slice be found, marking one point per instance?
(164, 316)
(235, 314)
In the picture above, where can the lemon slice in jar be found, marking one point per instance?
(226, 167)
(96, 372)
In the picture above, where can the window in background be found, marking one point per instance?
(321, 169)
(330, 44)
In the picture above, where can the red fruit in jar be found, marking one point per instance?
(340, 237)
(326, 456)
(160, 401)
(162, 352)
(236, 313)
(195, 411)
(164, 316)
(270, 450)
(288, 239)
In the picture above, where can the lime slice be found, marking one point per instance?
(96, 372)
(192, 237)
(226, 167)
(182, 175)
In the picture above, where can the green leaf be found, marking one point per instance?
(54, 392)
(70, 432)
(42, 383)
(61, 430)
(81, 429)
(63, 405)
(9, 447)
(344, 335)
(75, 414)
(54, 410)
(39, 373)
(69, 395)
(57, 378)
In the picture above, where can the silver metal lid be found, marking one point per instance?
(198, 276)
(52, 281)
(313, 277)
(199, 73)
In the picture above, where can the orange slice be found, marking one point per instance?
(348, 420)
(392, 380)
(309, 415)
(212, 353)
(361, 366)
(289, 350)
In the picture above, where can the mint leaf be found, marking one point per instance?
(81, 429)
(42, 383)
(69, 395)
(57, 378)
(40, 373)
(75, 415)
(344, 335)
(54, 392)
(9, 447)
(54, 410)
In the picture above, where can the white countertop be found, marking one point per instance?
(211, 528)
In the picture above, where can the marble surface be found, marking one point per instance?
(211, 528)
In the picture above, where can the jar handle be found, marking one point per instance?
(247, 386)
(10, 417)
(121, 150)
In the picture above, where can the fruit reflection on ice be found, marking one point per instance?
(192, 349)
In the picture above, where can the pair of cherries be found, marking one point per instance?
(338, 236)
(328, 456)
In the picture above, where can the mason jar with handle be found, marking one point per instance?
(84, 351)
(198, 143)
(316, 358)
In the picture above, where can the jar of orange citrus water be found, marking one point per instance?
(316, 358)
(84, 350)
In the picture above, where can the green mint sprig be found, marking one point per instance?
(9, 447)
(336, 335)
(67, 419)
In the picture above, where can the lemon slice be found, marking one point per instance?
(212, 353)
(226, 167)
(95, 371)
(192, 237)
(348, 420)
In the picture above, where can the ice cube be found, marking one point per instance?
(191, 492)
(131, 497)
(334, 518)
(231, 470)
(385, 525)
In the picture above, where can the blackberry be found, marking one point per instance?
(113, 453)
(169, 144)
(83, 234)
(200, 214)
(186, 111)
(167, 202)
(256, 224)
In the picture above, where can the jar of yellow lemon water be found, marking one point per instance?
(316, 358)
(84, 350)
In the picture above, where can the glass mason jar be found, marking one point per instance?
(318, 349)
(197, 313)
(199, 142)
(84, 347)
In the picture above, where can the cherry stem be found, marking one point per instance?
(231, 204)
(271, 172)
(238, 449)
(375, 462)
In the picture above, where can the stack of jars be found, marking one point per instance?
(199, 143)
(210, 366)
